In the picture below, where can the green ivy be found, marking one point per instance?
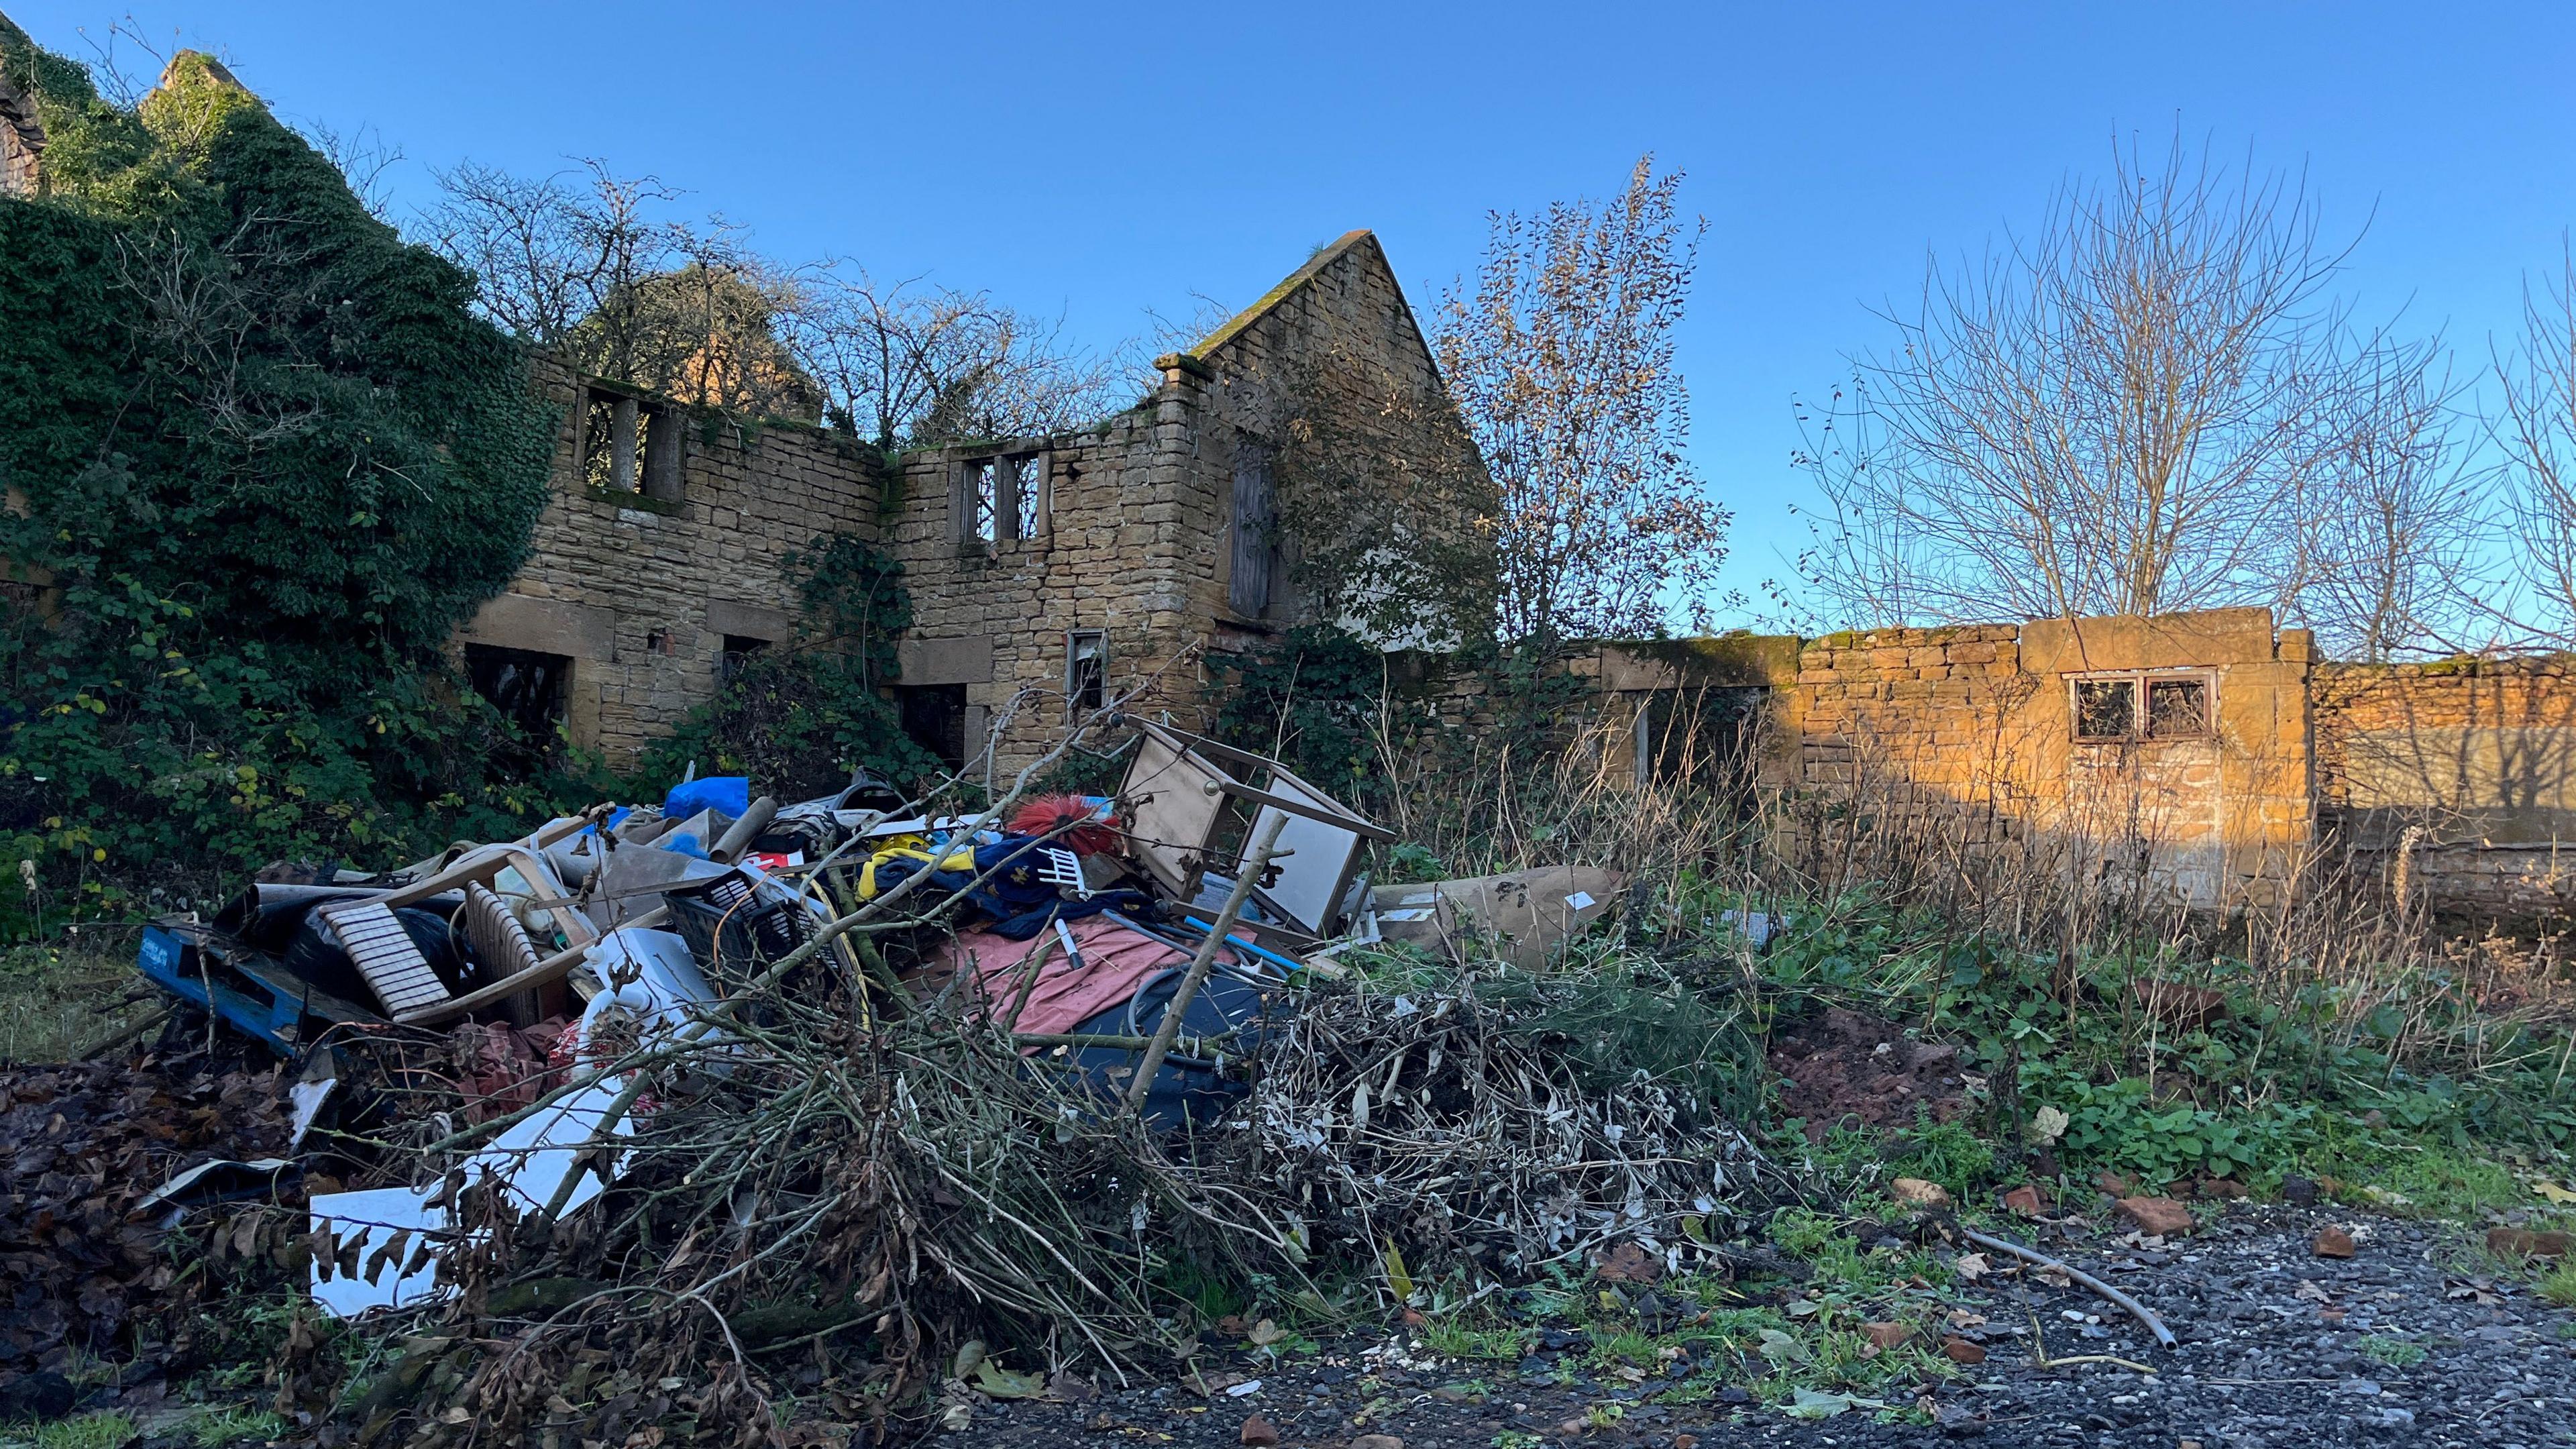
(260, 462)
(799, 717)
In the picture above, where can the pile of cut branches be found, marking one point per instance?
(1446, 1128)
(825, 1202)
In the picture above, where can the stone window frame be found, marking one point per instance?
(2141, 684)
(645, 448)
(1020, 506)
(1082, 694)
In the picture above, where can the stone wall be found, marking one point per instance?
(1972, 730)
(1134, 530)
(22, 143)
(1122, 520)
(639, 592)
(2464, 770)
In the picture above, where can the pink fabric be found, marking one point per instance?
(1115, 962)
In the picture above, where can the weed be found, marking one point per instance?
(213, 1427)
(2558, 1285)
(1451, 1339)
(1948, 1153)
(104, 1430)
(1801, 1232)
(2394, 1352)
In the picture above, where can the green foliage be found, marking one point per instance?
(261, 462)
(1313, 702)
(2394, 1352)
(1949, 1153)
(2273, 1082)
(800, 716)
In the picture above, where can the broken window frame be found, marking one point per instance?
(1086, 674)
(1002, 498)
(632, 445)
(2142, 685)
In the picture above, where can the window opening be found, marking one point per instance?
(738, 649)
(527, 687)
(629, 446)
(981, 520)
(1086, 669)
(2177, 707)
(1028, 477)
(2105, 709)
(2144, 706)
(934, 715)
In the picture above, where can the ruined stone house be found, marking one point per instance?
(1048, 575)
(2214, 754)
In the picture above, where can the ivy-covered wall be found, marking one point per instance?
(260, 462)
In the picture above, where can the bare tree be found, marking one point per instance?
(2536, 434)
(590, 264)
(2397, 524)
(2151, 405)
(912, 365)
(552, 254)
(1561, 360)
(593, 265)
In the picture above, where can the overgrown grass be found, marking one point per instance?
(105, 1430)
(2558, 1285)
(2340, 1036)
(212, 1428)
(57, 1000)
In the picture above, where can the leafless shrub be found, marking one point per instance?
(362, 156)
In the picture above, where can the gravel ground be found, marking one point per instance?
(2396, 1345)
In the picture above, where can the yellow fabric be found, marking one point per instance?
(963, 859)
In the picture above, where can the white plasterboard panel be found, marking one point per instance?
(372, 1218)
(1309, 886)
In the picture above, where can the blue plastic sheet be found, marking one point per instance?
(727, 795)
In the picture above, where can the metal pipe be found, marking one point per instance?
(2032, 1256)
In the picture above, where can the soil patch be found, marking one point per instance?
(1841, 1066)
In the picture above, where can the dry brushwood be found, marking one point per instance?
(1444, 1126)
(895, 1185)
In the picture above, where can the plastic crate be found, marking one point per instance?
(735, 935)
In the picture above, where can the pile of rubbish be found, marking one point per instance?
(689, 1104)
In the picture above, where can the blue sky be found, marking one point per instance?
(1096, 162)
